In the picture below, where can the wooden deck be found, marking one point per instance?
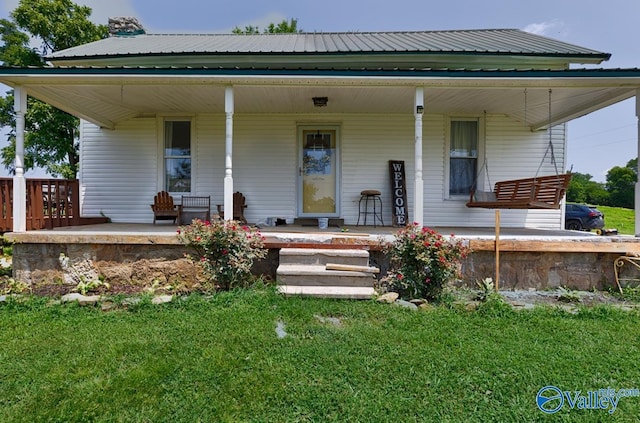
(51, 203)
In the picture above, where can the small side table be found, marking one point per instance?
(366, 197)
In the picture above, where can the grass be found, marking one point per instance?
(619, 218)
(219, 359)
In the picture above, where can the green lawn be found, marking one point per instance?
(621, 219)
(219, 359)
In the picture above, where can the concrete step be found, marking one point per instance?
(319, 256)
(318, 275)
(349, 292)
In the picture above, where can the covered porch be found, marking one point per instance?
(535, 104)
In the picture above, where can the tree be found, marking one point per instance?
(621, 184)
(583, 190)
(597, 194)
(51, 135)
(633, 165)
(285, 26)
(15, 50)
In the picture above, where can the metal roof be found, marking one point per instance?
(586, 73)
(511, 42)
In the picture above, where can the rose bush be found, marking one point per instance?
(225, 249)
(422, 262)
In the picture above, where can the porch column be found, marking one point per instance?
(637, 190)
(228, 164)
(418, 197)
(19, 184)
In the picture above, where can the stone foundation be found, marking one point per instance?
(125, 267)
(542, 270)
(118, 265)
(136, 265)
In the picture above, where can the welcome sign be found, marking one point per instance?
(398, 192)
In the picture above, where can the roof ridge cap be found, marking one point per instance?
(355, 32)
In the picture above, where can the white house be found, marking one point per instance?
(302, 123)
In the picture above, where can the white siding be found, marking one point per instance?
(511, 152)
(368, 143)
(265, 165)
(119, 168)
(208, 157)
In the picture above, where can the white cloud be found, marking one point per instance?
(548, 28)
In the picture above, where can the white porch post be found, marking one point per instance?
(19, 183)
(228, 163)
(637, 190)
(418, 197)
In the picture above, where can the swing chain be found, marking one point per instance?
(550, 146)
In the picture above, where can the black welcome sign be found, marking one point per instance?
(398, 193)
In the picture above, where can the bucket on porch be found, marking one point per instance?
(323, 222)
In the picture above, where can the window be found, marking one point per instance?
(177, 155)
(463, 156)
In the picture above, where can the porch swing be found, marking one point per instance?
(539, 192)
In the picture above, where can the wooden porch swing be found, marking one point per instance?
(539, 192)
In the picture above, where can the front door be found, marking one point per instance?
(319, 172)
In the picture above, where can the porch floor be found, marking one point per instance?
(313, 231)
(480, 238)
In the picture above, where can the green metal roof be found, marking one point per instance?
(7, 72)
(499, 48)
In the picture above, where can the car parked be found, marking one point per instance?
(580, 217)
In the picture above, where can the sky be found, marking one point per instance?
(597, 141)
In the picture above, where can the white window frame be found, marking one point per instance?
(162, 158)
(480, 179)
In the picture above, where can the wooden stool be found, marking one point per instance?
(372, 195)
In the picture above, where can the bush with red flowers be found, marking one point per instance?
(225, 250)
(422, 262)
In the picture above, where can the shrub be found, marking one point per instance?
(225, 250)
(494, 305)
(422, 261)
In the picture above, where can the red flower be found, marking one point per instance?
(225, 252)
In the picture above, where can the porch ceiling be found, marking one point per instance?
(109, 101)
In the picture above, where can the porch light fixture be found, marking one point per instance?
(419, 109)
(320, 101)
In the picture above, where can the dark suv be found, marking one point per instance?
(579, 217)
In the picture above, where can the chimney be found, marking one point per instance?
(125, 26)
